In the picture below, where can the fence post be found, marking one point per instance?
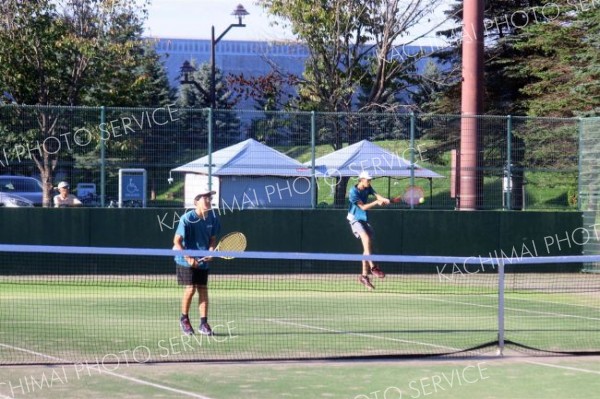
(313, 143)
(102, 159)
(210, 141)
(508, 170)
(412, 154)
(579, 166)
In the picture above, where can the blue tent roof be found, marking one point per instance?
(247, 158)
(366, 156)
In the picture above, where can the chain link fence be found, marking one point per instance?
(524, 163)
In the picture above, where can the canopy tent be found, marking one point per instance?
(366, 156)
(379, 162)
(250, 175)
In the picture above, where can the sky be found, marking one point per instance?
(192, 19)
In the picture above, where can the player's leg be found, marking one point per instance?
(185, 279)
(186, 301)
(367, 240)
(359, 232)
(204, 327)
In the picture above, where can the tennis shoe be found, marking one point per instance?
(377, 272)
(205, 329)
(364, 280)
(186, 326)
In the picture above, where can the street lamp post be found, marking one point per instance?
(239, 12)
(187, 68)
(211, 96)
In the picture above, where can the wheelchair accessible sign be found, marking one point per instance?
(132, 188)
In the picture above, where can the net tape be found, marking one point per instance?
(469, 260)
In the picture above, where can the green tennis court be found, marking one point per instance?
(76, 324)
(473, 378)
(300, 334)
(119, 319)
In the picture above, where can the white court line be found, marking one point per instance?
(563, 367)
(34, 353)
(133, 379)
(555, 303)
(360, 334)
(516, 310)
(346, 318)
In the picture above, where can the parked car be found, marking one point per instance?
(14, 201)
(22, 186)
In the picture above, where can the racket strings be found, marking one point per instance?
(233, 242)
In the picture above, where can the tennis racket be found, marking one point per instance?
(232, 242)
(412, 196)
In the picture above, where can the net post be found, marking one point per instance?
(500, 307)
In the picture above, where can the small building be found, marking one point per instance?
(249, 175)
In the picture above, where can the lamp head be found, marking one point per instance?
(240, 12)
(186, 69)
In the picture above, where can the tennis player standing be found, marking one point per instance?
(357, 216)
(197, 230)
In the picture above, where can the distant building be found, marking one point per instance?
(247, 57)
(232, 57)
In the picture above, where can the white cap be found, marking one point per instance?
(204, 192)
(365, 175)
(63, 184)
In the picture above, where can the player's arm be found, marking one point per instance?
(366, 207)
(379, 201)
(355, 199)
(383, 200)
(178, 245)
(213, 243)
(177, 242)
(211, 247)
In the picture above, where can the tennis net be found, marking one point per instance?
(115, 305)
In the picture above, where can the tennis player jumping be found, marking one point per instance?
(197, 230)
(357, 216)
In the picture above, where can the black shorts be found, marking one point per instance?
(192, 276)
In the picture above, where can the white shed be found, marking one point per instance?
(250, 175)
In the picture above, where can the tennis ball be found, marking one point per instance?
(421, 200)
